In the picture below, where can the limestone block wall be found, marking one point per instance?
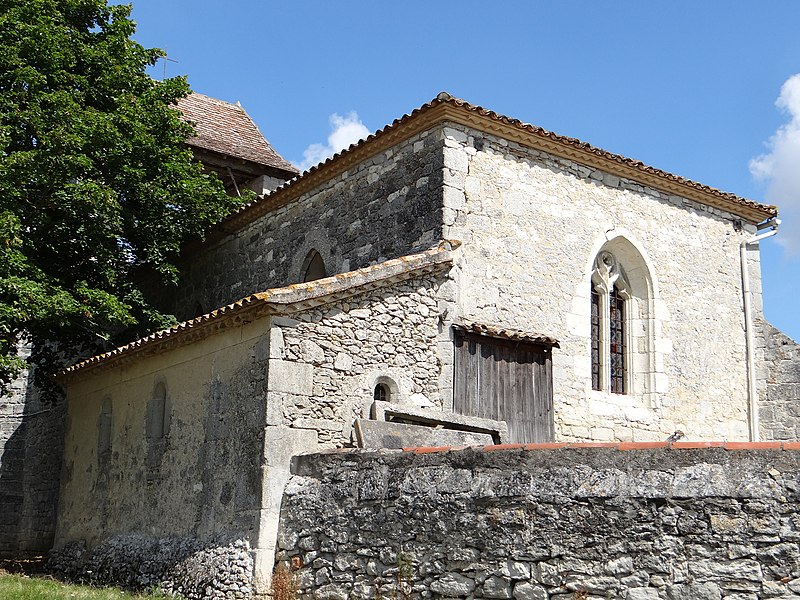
(326, 361)
(532, 225)
(779, 385)
(385, 207)
(31, 442)
(200, 478)
(627, 521)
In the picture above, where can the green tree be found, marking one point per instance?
(97, 187)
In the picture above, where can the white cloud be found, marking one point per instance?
(780, 167)
(345, 130)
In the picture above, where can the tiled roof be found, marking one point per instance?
(228, 129)
(446, 108)
(506, 333)
(287, 299)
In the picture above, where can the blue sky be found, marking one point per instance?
(688, 87)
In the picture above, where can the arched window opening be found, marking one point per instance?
(315, 267)
(104, 428)
(158, 421)
(610, 296)
(596, 366)
(381, 393)
(617, 358)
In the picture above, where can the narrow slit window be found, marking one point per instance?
(617, 342)
(595, 339)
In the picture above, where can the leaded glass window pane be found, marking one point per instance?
(617, 345)
(595, 340)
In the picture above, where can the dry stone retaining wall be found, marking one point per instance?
(181, 566)
(547, 522)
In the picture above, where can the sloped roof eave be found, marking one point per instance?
(274, 301)
(446, 108)
(228, 130)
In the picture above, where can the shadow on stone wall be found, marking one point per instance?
(185, 566)
(31, 449)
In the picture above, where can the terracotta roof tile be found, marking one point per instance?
(228, 129)
(299, 296)
(506, 333)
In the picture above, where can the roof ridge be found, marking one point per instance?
(633, 169)
(215, 99)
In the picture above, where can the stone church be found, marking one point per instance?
(459, 277)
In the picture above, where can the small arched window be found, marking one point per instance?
(381, 393)
(314, 267)
(158, 417)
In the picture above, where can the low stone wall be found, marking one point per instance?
(181, 566)
(779, 386)
(550, 521)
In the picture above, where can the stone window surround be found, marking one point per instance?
(608, 275)
(647, 382)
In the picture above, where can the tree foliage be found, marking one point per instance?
(97, 186)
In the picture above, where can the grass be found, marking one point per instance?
(24, 587)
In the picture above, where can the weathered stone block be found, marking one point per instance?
(291, 377)
(453, 585)
(529, 591)
(497, 587)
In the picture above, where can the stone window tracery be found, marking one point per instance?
(610, 325)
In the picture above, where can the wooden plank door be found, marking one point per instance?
(507, 381)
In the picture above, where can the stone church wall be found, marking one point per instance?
(625, 521)
(337, 353)
(197, 475)
(31, 441)
(385, 207)
(779, 386)
(532, 225)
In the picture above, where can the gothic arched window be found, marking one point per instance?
(610, 325)
(314, 267)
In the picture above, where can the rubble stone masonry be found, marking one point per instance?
(631, 521)
(385, 207)
(779, 386)
(344, 348)
(532, 225)
(31, 442)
